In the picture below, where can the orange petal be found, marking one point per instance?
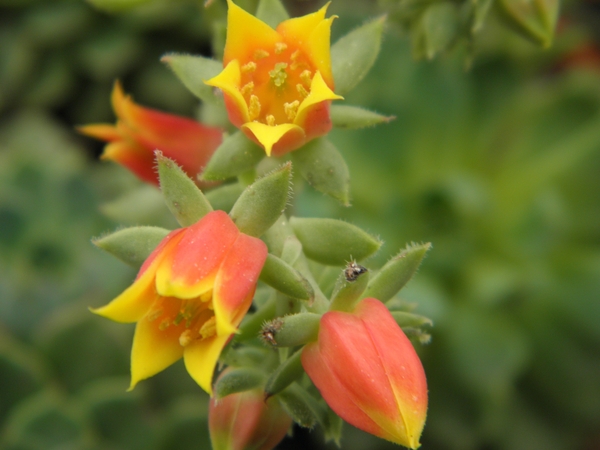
(236, 282)
(135, 301)
(229, 82)
(135, 158)
(245, 35)
(276, 139)
(102, 131)
(199, 254)
(154, 349)
(201, 357)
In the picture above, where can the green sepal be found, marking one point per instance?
(287, 372)
(353, 55)
(280, 275)
(352, 117)
(535, 19)
(405, 319)
(252, 323)
(301, 406)
(184, 199)
(236, 154)
(224, 197)
(238, 380)
(261, 203)
(436, 31)
(398, 271)
(321, 164)
(131, 245)
(346, 293)
(333, 242)
(271, 12)
(294, 329)
(292, 250)
(192, 71)
(333, 428)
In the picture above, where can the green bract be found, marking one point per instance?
(132, 245)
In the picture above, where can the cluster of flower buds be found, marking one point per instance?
(342, 348)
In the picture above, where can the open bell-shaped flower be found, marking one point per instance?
(140, 131)
(369, 373)
(277, 83)
(189, 297)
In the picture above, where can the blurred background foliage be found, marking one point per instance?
(496, 165)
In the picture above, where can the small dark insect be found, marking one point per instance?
(353, 270)
(269, 330)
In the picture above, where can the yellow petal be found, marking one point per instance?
(167, 285)
(153, 349)
(319, 92)
(246, 34)
(133, 303)
(268, 135)
(118, 99)
(229, 82)
(102, 131)
(298, 29)
(201, 357)
(318, 49)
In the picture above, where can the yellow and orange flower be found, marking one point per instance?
(189, 297)
(277, 83)
(369, 373)
(140, 131)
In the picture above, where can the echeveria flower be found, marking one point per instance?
(277, 83)
(369, 373)
(140, 131)
(189, 297)
(246, 421)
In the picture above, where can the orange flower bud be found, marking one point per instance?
(277, 83)
(189, 297)
(245, 421)
(369, 373)
(140, 131)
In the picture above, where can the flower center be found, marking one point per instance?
(191, 320)
(275, 82)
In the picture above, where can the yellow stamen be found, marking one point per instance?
(271, 120)
(295, 55)
(291, 109)
(306, 77)
(250, 67)
(260, 54)
(209, 328)
(302, 90)
(254, 107)
(186, 338)
(280, 47)
(153, 315)
(164, 325)
(278, 74)
(247, 88)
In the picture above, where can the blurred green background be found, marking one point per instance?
(494, 157)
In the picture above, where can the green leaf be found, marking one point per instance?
(301, 406)
(271, 12)
(117, 6)
(438, 28)
(238, 380)
(224, 197)
(333, 242)
(353, 117)
(132, 245)
(348, 291)
(287, 372)
(535, 19)
(192, 71)
(252, 323)
(261, 203)
(394, 275)
(185, 200)
(293, 329)
(276, 236)
(322, 165)
(406, 319)
(281, 276)
(236, 155)
(354, 54)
